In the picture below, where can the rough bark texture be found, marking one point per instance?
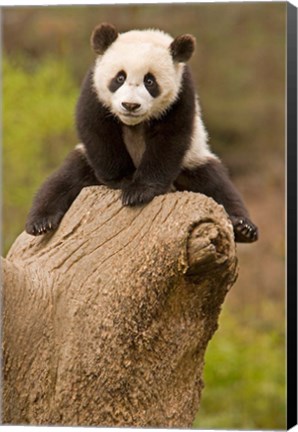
(106, 321)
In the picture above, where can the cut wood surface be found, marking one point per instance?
(106, 321)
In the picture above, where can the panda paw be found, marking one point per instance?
(44, 224)
(244, 230)
(137, 194)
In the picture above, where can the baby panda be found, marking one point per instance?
(141, 131)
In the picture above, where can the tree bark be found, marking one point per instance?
(106, 321)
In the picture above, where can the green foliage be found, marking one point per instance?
(244, 376)
(38, 128)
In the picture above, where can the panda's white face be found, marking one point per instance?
(136, 77)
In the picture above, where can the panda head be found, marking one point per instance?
(138, 74)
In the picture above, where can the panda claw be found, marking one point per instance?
(43, 224)
(244, 230)
(137, 194)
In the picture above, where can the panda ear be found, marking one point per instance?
(182, 48)
(102, 37)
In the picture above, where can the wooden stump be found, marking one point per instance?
(106, 321)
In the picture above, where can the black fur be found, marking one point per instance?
(102, 37)
(101, 134)
(182, 48)
(108, 162)
(58, 192)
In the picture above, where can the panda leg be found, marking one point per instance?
(58, 192)
(211, 179)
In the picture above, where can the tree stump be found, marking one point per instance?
(106, 321)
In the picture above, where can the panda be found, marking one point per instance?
(140, 130)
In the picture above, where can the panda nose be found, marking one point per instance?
(130, 106)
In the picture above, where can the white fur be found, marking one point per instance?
(133, 138)
(199, 151)
(138, 52)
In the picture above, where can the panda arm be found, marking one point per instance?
(58, 192)
(167, 139)
(101, 135)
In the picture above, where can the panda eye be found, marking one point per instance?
(152, 85)
(121, 77)
(149, 80)
(117, 81)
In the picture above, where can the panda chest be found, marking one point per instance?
(134, 140)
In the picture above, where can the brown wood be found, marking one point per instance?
(106, 321)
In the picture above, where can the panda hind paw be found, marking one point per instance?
(43, 225)
(244, 230)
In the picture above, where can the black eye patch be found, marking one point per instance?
(151, 85)
(117, 81)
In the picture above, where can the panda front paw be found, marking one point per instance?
(43, 224)
(244, 230)
(138, 194)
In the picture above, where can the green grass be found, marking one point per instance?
(38, 129)
(244, 376)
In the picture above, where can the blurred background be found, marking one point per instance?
(239, 68)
